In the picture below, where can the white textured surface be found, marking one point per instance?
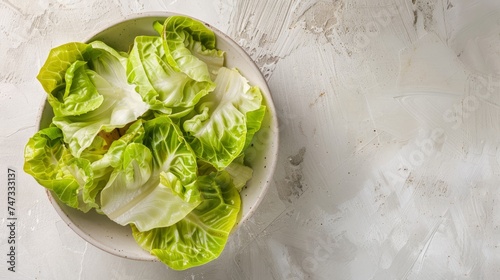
(390, 160)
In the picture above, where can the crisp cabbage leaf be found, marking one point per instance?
(218, 134)
(190, 48)
(65, 80)
(161, 85)
(52, 165)
(105, 164)
(134, 194)
(254, 123)
(201, 236)
(173, 157)
(240, 174)
(155, 182)
(121, 104)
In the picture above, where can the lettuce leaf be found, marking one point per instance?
(104, 165)
(154, 184)
(120, 105)
(201, 236)
(173, 157)
(190, 47)
(162, 86)
(240, 174)
(64, 79)
(218, 133)
(51, 164)
(134, 194)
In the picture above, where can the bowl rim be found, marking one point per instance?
(271, 165)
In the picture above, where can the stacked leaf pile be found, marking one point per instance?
(154, 138)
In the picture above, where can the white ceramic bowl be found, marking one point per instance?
(113, 238)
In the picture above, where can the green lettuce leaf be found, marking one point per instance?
(154, 184)
(254, 123)
(218, 134)
(161, 85)
(52, 165)
(121, 104)
(103, 165)
(201, 236)
(134, 194)
(173, 157)
(190, 47)
(240, 174)
(64, 79)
